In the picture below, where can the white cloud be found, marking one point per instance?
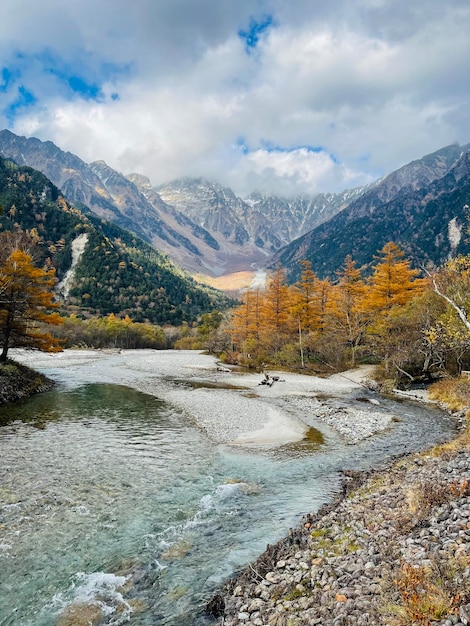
(372, 86)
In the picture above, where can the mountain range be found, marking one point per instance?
(204, 227)
(211, 232)
(422, 207)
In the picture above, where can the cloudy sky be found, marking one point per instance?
(276, 95)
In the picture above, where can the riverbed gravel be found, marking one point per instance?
(231, 407)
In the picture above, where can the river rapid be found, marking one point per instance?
(130, 491)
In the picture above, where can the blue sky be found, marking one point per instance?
(287, 96)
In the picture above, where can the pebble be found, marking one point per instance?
(353, 424)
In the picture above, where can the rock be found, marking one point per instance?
(464, 614)
(256, 605)
(273, 578)
(80, 614)
(358, 546)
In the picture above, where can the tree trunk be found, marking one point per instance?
(6, 331)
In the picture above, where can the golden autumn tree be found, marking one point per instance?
(276, 320)
(392, 287)
(305, 298)
(246, 321)
(26, 302)
(348, 318)
(393, 281)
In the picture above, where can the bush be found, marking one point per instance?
(454, 393)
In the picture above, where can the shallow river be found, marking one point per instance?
(113, 502)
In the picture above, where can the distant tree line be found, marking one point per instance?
(410, 326)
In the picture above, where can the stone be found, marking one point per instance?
(80, 614)
(273, 578)
(464, 614)
(256, 605)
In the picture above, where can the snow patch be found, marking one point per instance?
(454, 233)
(78, 247)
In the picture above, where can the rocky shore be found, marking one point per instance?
(18, 381)
(393, 551)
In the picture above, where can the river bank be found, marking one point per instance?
(393, 551)
(18, 381)
(341, 569)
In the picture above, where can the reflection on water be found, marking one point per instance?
(112, 505)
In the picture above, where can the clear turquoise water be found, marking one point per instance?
(101, 486)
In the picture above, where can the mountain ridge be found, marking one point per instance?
(416, 207)
(216, 233)
(210, 231)
(114, 272)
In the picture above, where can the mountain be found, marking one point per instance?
(208, 230)
(102, 268)
(422, 207)
(204, 227)
(96, 187)
(265, 223)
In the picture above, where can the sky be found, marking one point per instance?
(277, 96)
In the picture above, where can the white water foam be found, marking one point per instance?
(99, 589)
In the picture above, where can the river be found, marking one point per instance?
(116, 507)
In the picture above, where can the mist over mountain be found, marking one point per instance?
(201, 225)
(422, 207)
(208, 230)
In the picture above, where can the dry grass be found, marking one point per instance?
(229, 283)
(454, 393)
(428, 593)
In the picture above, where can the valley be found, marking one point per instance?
(222, 239)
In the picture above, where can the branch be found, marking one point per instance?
(459, 310)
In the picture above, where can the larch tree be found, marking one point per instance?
(348, 318)
(393, 281)
(246, 321)
(276, 319)
(393, 286)
(305, 298)
(26, 304)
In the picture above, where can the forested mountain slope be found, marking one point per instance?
(423, 207)
(116, 272)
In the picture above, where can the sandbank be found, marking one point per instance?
(231, 407)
